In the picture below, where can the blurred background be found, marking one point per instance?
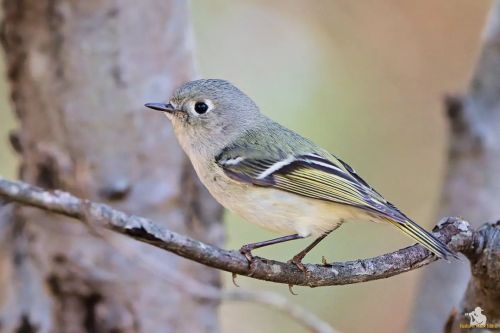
(365, 80)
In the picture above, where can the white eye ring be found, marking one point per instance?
(201, 106)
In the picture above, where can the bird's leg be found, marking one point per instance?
(246, 250)
(297, 259)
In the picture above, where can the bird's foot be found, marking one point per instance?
(297, 261)
(290, 289)
(246, 250)
(234, 280)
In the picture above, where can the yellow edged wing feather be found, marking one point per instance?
(325, 178)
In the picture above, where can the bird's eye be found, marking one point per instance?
(201, 107)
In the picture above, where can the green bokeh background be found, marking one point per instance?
(366, 80)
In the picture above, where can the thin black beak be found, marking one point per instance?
(160, 107)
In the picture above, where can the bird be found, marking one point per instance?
(271, 176)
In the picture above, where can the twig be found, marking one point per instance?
(453, 231)
(306, 318)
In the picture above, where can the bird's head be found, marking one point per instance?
(208, 111)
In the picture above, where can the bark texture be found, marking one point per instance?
(455, 232)
(80, 72)
(472, 184)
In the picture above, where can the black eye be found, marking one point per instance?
(200, 107)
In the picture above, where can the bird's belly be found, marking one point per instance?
(282, 212)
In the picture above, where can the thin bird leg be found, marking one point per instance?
(297, 259)
(246, 250)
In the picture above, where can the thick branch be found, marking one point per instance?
(453, 231)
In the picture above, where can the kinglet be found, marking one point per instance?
(272, 176)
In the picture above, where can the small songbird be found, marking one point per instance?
(272, 176)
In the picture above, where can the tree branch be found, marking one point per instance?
(453, 231)
(197, 289)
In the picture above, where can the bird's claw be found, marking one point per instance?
(234, 276)
(247, 252)
(297, 261)
(290, 289)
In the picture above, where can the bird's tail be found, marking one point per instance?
(425, 238)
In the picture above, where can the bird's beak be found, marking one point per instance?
(160, 107)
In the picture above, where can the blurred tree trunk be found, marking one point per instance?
(472, 185)
(80, 72)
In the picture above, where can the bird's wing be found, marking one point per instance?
(311, 175)
(319, 175)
